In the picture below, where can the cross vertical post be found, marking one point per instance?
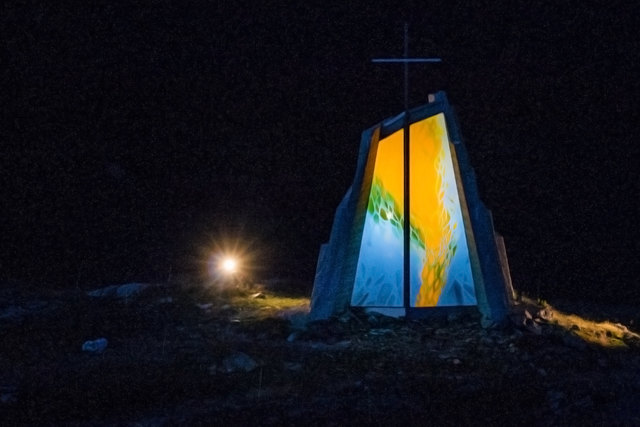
(406, 67)
(407, 153)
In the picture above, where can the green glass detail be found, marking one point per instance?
(383, 207)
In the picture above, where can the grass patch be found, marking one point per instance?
(605, 334)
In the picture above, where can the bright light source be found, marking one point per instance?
(226, 268)
(229, 266)
(227, 262)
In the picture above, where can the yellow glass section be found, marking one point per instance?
(436, 218)
(390, 165)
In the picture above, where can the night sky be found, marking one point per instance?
(135, 137)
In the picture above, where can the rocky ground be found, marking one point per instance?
(186, 355)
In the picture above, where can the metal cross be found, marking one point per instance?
(407, 211)
(406, 61)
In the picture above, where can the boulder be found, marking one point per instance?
(125, 291)
(238, 362)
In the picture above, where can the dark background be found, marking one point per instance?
(136, 137)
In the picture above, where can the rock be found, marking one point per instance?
(125, 291)
(205, 306)
(7, 394)
(340, 345)
(381, 332)
(532, 326)
(469, 386)
(130, 290)
(545, 314)
(299, 321)
(35, 305)
(621, 327)
(238, 362)
(372, 319)
(573, 341)
(444, 355)
(584, 403)
(293, 336)
(152, 422)
(555, 399)
(454, 317)
(522, 318)
(345, 317)
(631, 339)
(107, 291)
(213, 369)
(487, 341)
(13, 312)
(500, 338)
(487, 323)
(95, 346)
(293, 366)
